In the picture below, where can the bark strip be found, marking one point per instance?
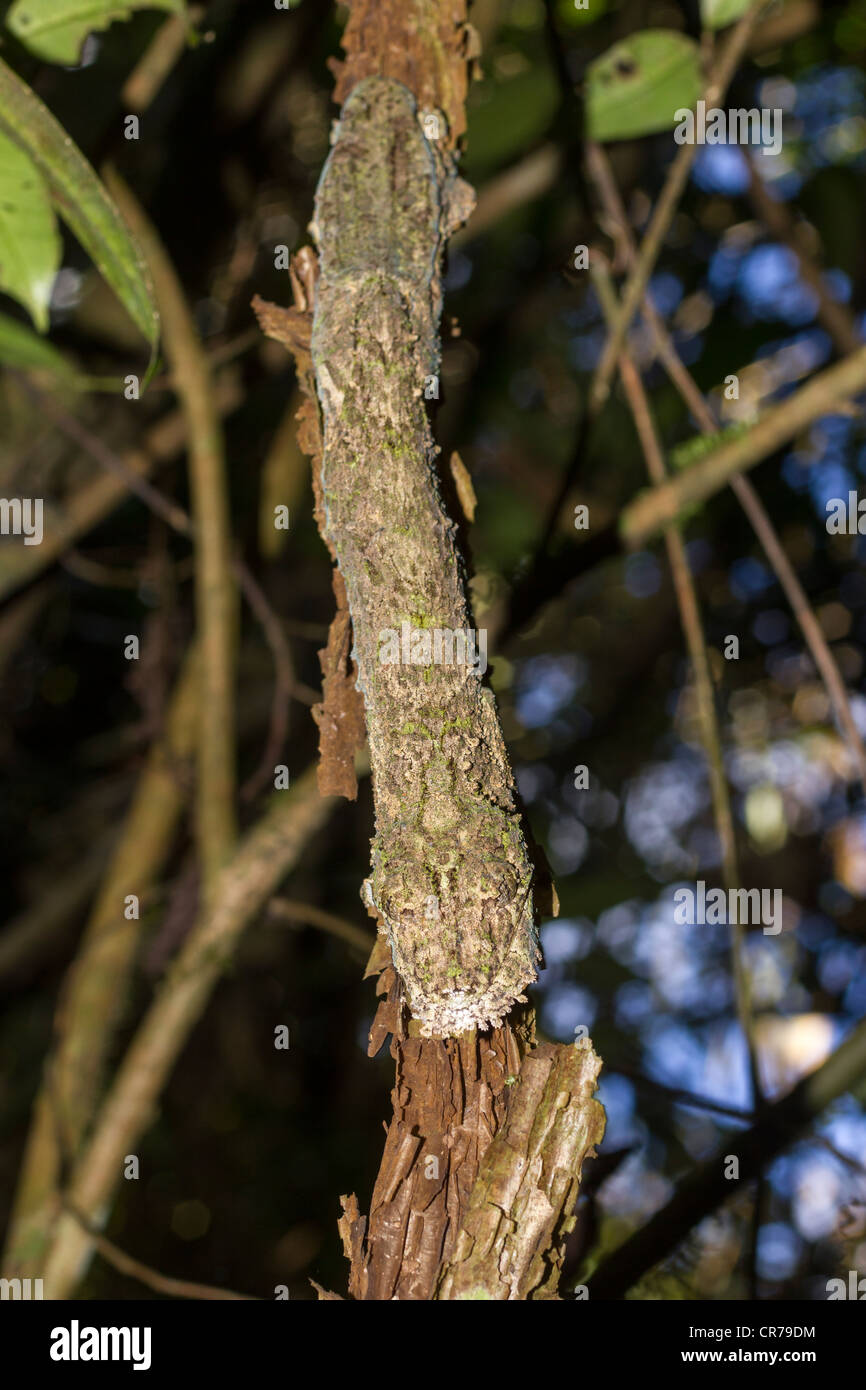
(449, 1099)
(521, 1210)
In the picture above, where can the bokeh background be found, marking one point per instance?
(242, 1171)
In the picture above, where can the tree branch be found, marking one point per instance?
(511, 1242)
(216, 596)
(651, 511)
(663, 212)
(261, 861)
(708, 1185)
(95, 988)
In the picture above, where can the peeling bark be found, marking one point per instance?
(450, 1098)
(340, 715)
(521, 1209)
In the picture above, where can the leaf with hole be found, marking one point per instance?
(56, 29)
(29, 240)
(715, 14)
(636, 87)
(80, 198)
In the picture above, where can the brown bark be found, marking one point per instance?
(450, 1098)
(522, 1207)
(376, 295)
(427, 45)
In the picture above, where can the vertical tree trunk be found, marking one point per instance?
(451, 879)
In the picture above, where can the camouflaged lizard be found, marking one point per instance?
(451, 880)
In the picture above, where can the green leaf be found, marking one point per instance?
(56, 29)
(715, 14)
(515, 114)
(29, 241)
(81, 200)
(636, 87)
(22, 348)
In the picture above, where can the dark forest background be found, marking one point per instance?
(252, 1147)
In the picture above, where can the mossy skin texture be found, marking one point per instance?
(450, 880)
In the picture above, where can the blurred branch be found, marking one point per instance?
(708, 1185)
(651, 244)
(532, 586)
(93, 572)
(220, 353)
(18, 617)
(817, 643)
(168, 44)
(95, 989)
(30, 937)
(263, 858)
(122, 468)
(690, 616)
(216, 596)
(285, 473)
(679, 1096)
(151, 1278)
(289, 910)
(651, 511)
(793, 19)
(66, 522)
(776, 217)
(285, 685)
(524, 181)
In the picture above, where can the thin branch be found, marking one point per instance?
(776, 217)
(261, 861)
(675, 183)
(102, 576)
(95, 989)
(289, 910)
(166, 47)
(284, 683)
(809, 625)
(601, 174)
(855, 1165)
(687, 602)
(663, 212)
(172, 514)
(151, 1278)
(680, 1096)
(216, 596)
(709, 1185)
(78, 513)
(651, 511)
(30, 937)
(524, 181)
(286, 686)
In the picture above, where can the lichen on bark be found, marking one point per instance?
(451, 880)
